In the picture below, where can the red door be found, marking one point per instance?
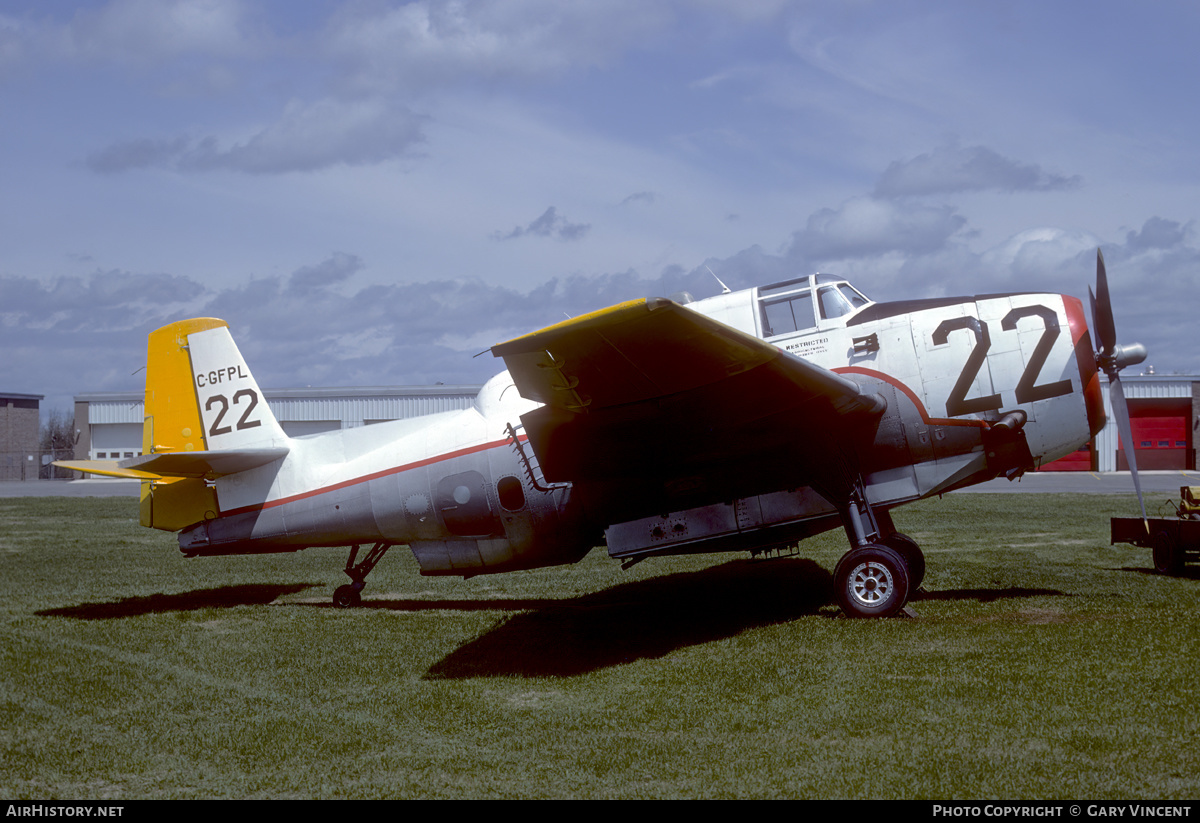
(1161, 442)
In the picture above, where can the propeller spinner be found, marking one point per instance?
(1111, 358)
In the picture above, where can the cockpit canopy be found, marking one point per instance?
(812, 303)
(806, 303)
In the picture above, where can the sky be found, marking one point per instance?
(372, 193)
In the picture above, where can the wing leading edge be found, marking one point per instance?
(662, 399)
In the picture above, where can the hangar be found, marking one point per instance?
(109, 424)
(1164, 412)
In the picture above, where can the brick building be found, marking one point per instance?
(19, 429)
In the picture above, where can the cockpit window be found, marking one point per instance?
(794, 313)
(833, 303)
(789, 306)
(853, 295)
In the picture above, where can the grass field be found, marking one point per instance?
(1044, 663)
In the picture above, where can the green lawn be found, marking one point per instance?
(1044, 663)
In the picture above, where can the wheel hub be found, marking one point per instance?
(870, 584)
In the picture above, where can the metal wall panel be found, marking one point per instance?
(310, 410)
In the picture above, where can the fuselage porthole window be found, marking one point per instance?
(511, 493)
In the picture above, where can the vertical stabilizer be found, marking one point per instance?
(200, 396)
(234, 413)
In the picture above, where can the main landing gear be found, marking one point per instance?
(351, 594)
(883, 567)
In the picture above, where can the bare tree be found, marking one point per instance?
(57, 442)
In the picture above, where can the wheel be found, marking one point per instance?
(346, 596)
(1168, 559)
(908, 549)
(871, 581)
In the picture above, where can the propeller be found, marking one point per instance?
(1111, 358)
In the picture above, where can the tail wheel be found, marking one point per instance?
(346, 597)
(1168, 559)
(908, 549)
(871, 581)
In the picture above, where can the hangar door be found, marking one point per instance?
(1160, 435)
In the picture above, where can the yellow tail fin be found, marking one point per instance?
(172, 411)
(172, 423)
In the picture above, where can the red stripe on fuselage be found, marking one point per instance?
(428, 461)
(911, 395)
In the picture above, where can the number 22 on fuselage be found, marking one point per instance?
(961, 360)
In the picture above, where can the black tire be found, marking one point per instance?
(1168, 558)
(871, 581)
(345, 597)
(908, 549)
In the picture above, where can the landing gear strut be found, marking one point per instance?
(875, 578)
(351, 594)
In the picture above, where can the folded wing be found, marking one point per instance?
(674, 404)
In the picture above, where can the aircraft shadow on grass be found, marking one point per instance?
(651, 618)
(645, 619)
(222, 597)
(639, 620)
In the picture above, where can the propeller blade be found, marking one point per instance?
(1112, 358)
(1121, 409)
(1102, 315)
(1095, 321)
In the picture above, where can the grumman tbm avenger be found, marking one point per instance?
(747, 421)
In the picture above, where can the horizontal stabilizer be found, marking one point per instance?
(106, 468)
(208, 464)
(204, 464)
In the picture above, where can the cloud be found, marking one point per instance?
(550, 224)
(110, 300)
(1039, 253)
(318, 135)
(640, 197)
(336, 269)
(307, 137)
(78, 334)
(867, 227)
(73, 335)
(420, 45)
(138, 154)
(139, 30)
(953, 169)
(1155, 289)
(1157, 233)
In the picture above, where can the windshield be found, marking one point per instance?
(790, 305)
